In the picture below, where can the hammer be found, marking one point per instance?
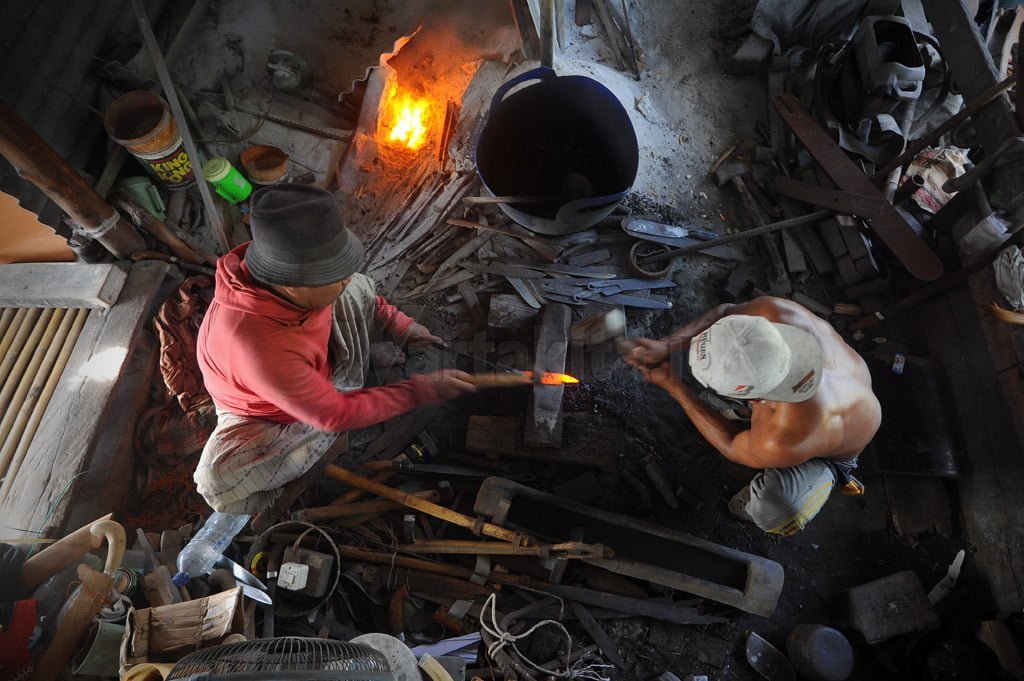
(598, 328)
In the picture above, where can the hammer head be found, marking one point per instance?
(598, 328)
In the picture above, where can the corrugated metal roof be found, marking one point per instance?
(49, 76)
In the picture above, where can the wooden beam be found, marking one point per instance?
(975, 74)
(71, 425)
(60, 284)
(543, 426)
(37, 162)
(501, 436)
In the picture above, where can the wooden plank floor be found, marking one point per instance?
(992, 489)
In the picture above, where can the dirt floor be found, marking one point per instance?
(687, 113)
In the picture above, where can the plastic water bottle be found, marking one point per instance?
(199, 555)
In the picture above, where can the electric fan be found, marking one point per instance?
(288, 658)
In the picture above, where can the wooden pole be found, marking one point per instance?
(21, 397)
(6, 319)
(37, 162)
(13, 339)
(88, 600)
(20, 419)
(983, 100)
(545, 248)
(148, 222)
(496, 548)
(213, 214)
(44, 399)
(96, 587)
(447, 569)
(499, 380)
(21, 359)
(375, 507)
(432, 509)
(355, 494)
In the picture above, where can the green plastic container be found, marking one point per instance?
(226, 180)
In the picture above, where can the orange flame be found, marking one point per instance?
(407, 118)
(554, 379)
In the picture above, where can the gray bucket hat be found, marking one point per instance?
(299, 237)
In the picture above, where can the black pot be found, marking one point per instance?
(565, 140)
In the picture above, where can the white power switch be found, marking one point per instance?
(293, 576)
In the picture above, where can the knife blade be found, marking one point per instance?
(251, 586)
(659, 231)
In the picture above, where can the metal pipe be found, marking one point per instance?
(814, 217)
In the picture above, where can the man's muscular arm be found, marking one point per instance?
(767, 443)
(728, 437)
(649, 352)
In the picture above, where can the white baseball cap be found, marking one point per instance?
(752, 358)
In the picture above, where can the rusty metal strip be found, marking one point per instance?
(846, 203)
(889, 225)
(599, 635)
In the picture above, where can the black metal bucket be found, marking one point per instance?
(564, 141)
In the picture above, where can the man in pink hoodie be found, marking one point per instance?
(284, 350)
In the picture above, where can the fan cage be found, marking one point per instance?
(288, 657)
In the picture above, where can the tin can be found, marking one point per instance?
(142, 123)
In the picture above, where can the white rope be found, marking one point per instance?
(589, 671)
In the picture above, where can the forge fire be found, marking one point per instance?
(406, 121)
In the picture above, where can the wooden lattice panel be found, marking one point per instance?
(34, 351)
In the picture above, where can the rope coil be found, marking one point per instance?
(581, 669)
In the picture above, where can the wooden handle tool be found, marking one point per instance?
(499, 380)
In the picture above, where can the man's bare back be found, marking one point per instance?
(837, 422)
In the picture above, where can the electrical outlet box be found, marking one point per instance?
(319, 566)
(293, 576)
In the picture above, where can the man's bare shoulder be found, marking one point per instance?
(780, 311)
(790, 433)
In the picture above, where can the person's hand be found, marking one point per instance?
(449, 383)
(663, 377)
(418, 333)
(647, 353)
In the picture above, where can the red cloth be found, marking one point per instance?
(177, 325)
(264, 357)
(15, 659)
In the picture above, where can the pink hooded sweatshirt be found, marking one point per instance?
(266, 358)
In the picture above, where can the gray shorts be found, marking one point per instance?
(783, 500)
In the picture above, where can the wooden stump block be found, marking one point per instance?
(509, 317)
(543, 427)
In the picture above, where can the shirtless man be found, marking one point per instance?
(809, 394)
